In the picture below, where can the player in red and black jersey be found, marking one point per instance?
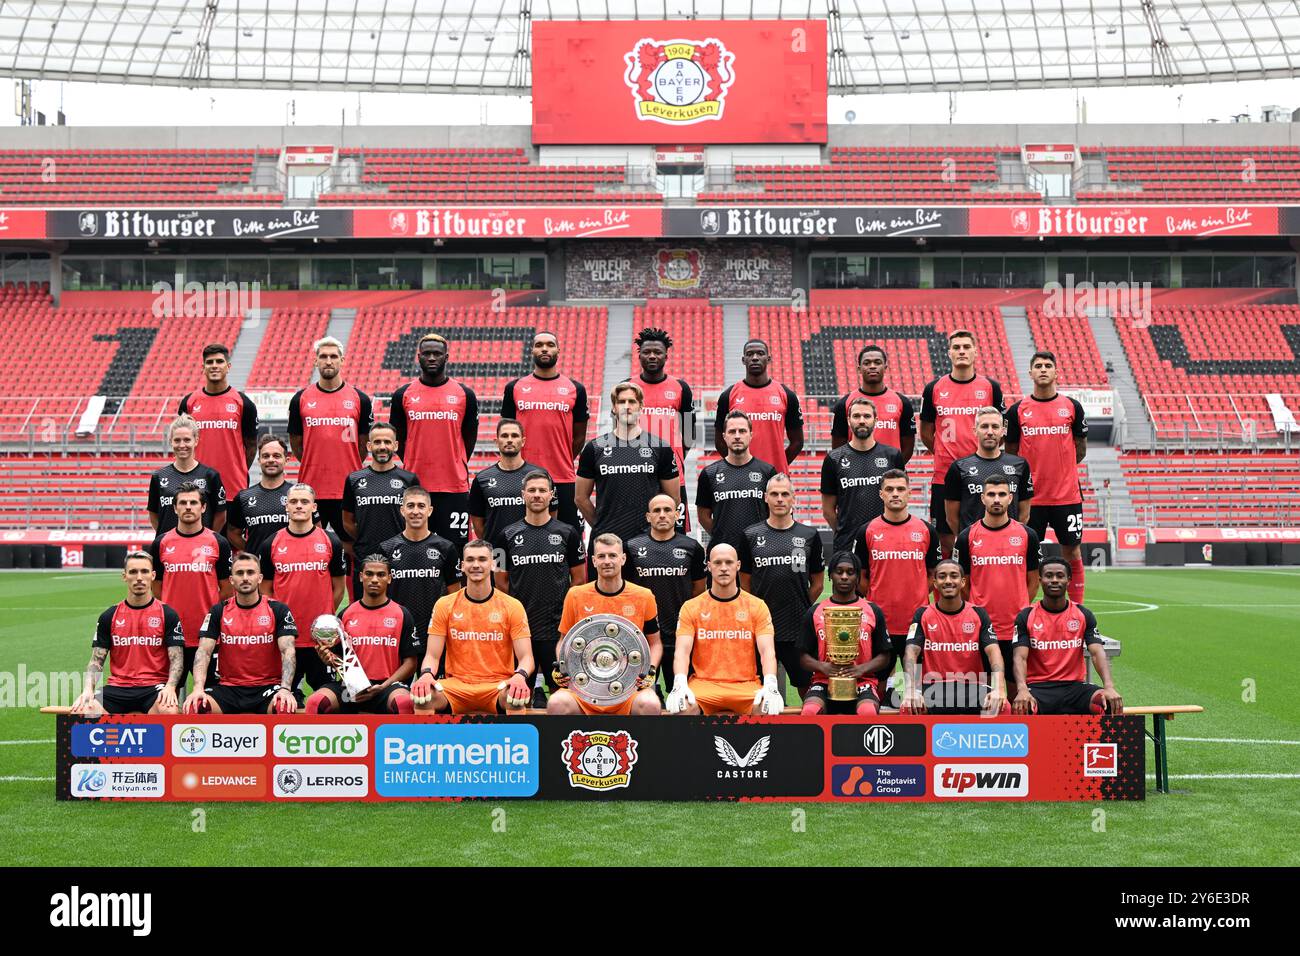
(142, 641)
(553, 410)
(895, 418)
(388, 646)
(183, 436)
(227, 418)
(1052, 637)
(329, 422)
(773, 411)
(953, 662)
(948, 408)
(436, 420)
(668, 411)
(1050, 431)
(874, 652)
(966, 476)
(254, 637)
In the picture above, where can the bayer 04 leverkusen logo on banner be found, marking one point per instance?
(599, 760)
(679, 82)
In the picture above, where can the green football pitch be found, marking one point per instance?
(1228, 640)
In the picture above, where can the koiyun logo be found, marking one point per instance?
(336, 740)
(77, 909)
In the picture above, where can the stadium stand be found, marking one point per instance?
(1214, 488)
(1197, 174)
(284, 360)
(696, 331)
(1070, 339)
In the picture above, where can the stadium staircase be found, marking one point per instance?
(1137, 429)
(1103, 463)
(618, 350)
(1021, 341)
(735, 330)
(244, 353)
(342, 321)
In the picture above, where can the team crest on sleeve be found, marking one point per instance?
(916, 536)
(882, 462)
(396, 483)
(431, 553)
(599, 761)
(554, 539)
(1008, 469)
(1015, 541)
(679, 82)
(755, 477)
(679, 554)
(494, 617)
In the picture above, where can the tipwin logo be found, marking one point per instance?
(679, 82)
(75, 909)
(1101, 760)
(968, 780)
(599, 761)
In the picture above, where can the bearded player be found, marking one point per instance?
(874, 651)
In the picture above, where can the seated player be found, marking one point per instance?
(610, 594)
(1052, 636)
(387, 645)
(875, 653)
(489, 647)
(255, 636)
(952, 660)
(142, 639)
(718, 635)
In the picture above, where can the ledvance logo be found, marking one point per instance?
(968, 780)
(326, 740)
(456, 760)
(980, 740)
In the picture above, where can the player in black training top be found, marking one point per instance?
(183, 435)
(671, 565)
(372, 496)
(496, 494)
(538, 560)
(626, 467)
(781, 563)
(423, 566)
(258, 512)
(851, 476)
(966, 476)
(729, 492)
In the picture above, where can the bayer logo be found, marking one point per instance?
(192, 740)
(679, 82)
(599, 760)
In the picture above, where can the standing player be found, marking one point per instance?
(851, 476)
(611, 594)
(671, 565)
(329, 422)
(948, 407)
(899, 553)
(552, 408)
(875, 655)
(1000, 558)
(183, 436)
(729, 492)
(895, 418)
(228, 416)
(966, 476)
(191, 568)
(720, 633)
(254, 637)
(436, 421)
(372, 496)
(303, 566)
(257, 512)
(773, 410)
(669, 409)
(541, 558)
(142, 640)
(388, 648)
(485, 634)
(496, 495)
(781, 563)
(953, 662)
(423, 566)
(1051, 432)
(626, 467)
(1051, 639)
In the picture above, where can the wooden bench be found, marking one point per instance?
(1160, 715)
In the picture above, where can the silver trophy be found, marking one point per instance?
(328, 633)
(603, 657)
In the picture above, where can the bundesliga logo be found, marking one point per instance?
(679, 82)
(599, 761)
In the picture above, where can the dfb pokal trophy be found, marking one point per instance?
(603, 656)
(328, 633)
(843, 629)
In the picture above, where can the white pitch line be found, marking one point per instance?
(26, 779)
(1139, 607)
(1229, 776)
(15, 743)
(1236, 740)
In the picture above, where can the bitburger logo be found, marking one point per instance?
(679, 82)
(599, 761)
(88, 224)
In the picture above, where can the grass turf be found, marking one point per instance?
(1214, 637)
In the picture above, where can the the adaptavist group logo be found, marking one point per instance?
(679, 268)
(600, 761)
(679, 82)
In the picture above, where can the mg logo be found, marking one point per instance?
(878, 740)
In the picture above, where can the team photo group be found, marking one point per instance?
(569, 576)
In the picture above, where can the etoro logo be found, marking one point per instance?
(679, 82)
(599, 761)
(968, 780)
(328, 740)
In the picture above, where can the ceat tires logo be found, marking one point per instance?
(679, 82)
(599, 761)
(1101, 760)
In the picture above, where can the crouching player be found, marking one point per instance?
(489, 647)
(255, 637)
(384, 638)
(952, 659)
(875, 653)
(718, 634)
(1052, 636)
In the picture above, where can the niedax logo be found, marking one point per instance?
(980, 740)
(679, 82)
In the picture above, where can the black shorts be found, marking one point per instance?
(375, 705)
(954, 697)
(544, 661)
(1063, 696)
(311, 667)
(789, 654)
(566, 508)
(187, 657)
(243, 700)
(822, 692)
(450, 516)
(1065, 520)
(130, 700)
(329, 512)
(938, 511)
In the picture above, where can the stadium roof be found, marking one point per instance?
(482, 46)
